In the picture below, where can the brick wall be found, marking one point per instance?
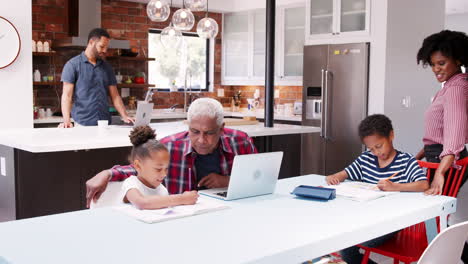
(288, 94)
(128, 20)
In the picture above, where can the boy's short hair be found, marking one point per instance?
(375, 124)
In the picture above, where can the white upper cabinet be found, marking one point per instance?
(337, 19)
(259, 38)
(244, 40)
(291, 48)
(235, 44)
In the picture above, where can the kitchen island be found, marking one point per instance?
(43, 171)
(161, 115)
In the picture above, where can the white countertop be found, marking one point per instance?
(39, 140)
(161, 114)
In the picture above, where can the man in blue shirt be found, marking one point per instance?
(88, 80)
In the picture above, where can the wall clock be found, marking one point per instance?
(10, 43)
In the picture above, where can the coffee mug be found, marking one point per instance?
(103, 123)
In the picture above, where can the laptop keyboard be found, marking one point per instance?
(223, 194)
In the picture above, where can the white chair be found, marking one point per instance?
(447, 246)
(109, 196)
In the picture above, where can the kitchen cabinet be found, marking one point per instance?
(291, 44)
(244, 39)
(38, 184)
(336, 19)
(236, 43)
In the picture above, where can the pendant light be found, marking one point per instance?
(158, 10)
(183, 19)
(171, 37)
(196, 5)
(207, 28)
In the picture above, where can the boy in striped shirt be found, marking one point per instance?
(382, 161)
(377, 165)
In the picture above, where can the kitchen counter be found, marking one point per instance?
(55, 139)
(159, 114)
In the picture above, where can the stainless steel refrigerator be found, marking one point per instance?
(334, 99)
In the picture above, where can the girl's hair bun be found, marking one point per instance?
(141, 134)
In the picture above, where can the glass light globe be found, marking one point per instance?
(196, 5)
(158, 10)
(207, 28)
(171, 37)
(183, 19)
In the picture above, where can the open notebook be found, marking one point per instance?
(203, 205)
(359, 191)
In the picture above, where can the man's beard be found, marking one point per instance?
(96, 54)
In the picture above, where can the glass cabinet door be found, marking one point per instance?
(293, 40)
(321, 17)
(259, 36)
(353, 15)
(236, 43)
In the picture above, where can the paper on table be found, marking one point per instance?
(359, 191)
(203, 205)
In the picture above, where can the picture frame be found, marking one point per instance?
(10, 43)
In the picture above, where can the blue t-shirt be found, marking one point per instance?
(91, 91)
(366, 169)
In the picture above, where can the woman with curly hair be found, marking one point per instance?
(446, 120)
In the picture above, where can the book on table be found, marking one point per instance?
(359, 191)
(203, 205)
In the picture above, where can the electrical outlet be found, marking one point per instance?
(406, 101)
(2, 166)
(277, 94)
(220, 92)
(125, 92)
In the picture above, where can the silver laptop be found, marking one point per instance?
(251, 175)
(143, 114)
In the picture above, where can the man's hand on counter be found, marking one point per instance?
(96, 186)
(128, 119)
(66, 124)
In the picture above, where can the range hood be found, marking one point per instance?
(85, 15)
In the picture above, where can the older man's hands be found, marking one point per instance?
(96, 186)
(214, 180)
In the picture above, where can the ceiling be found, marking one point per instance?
(451, 6)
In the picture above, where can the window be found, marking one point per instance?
(167, 72)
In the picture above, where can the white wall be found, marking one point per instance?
(377, 57)
(16, 96)
(457, 22)
(408, 23)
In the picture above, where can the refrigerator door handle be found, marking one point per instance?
(322, 87)
(325, 108)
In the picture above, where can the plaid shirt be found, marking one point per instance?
(181, 175)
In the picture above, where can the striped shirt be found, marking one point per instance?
(366, 168)
(446, 120)
(181, 175)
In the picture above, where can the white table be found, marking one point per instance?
(274, 228)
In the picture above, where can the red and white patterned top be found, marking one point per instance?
(446, 120)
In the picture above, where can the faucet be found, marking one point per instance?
(149, 94)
